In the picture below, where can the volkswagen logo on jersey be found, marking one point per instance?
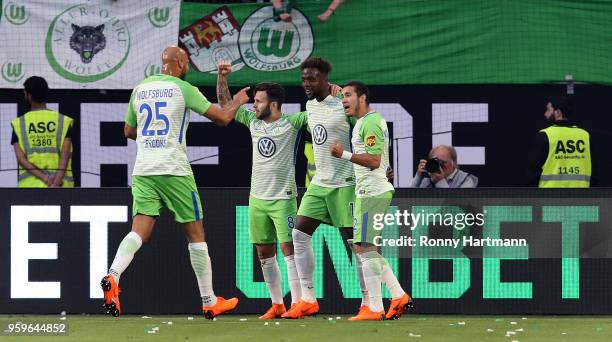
(266, 147)
(319, 134)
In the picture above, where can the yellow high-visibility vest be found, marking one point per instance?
(310, 168)
(41, 134)
(568, 164)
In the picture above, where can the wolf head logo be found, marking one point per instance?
(87, 41)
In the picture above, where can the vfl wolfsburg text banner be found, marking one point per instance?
(85, 44)
(405, 41)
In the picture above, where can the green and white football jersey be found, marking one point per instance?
(159, 109)
(273, 172)
(327, 123)
(370, 135)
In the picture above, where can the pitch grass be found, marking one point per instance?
(323, 328)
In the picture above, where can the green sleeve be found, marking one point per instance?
(245, 117)
(372, 136)
(298, 120)
(351, 120)
(194, 99)
(130, 116)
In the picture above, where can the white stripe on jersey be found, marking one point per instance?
(328, 123)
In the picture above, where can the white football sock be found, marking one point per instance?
(391, 281)
(272, 277)
(294, 279)
(200, 262)
(130, 244)
(372, 270)
(304, 263)
(365, 297)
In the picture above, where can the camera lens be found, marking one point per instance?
(433, 165)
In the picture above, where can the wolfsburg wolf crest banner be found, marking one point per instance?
(85, 44)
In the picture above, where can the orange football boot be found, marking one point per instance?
(302, 309)
(361, 308)
(398, 306)
(111, 295)
(366, 314)
(275, 311)
(223, 305)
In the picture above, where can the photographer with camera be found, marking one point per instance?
(440, 170)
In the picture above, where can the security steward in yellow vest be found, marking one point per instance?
(562, 156)
(42, 141)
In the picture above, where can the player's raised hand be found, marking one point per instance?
(242, 97)
(335, 89)
(336, 149)
(421, 167)
(224, 67)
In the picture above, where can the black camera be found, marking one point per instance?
(434, 165)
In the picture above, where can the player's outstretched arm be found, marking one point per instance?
(223, 116)
(223, 94)
(371, 161)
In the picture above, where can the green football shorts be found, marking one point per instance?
(333, 206)
(177, 193)
(271, 220)
(367, 210)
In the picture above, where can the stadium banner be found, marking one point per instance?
(520, 251)
(404, 41)
(85, 44)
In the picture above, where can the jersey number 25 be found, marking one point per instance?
(158, 117)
